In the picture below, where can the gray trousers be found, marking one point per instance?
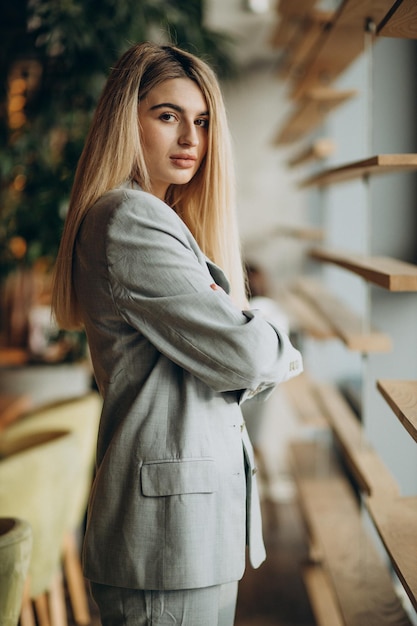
(209, 606)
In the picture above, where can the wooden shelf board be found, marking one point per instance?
(301, 7)
(300, 392)
(323, 602)
(305, 233)
(385, 272)
(348, 326)
(360, 581)
(303, 318)
(401, 396)
(366, 466)
(396, 523)
(320, 149)
(285, 30)
(401, 21)
(341, 44)
(310, 112)
(379, 164)
(296, 231)
(304, 39)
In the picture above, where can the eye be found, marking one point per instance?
(203, 122)
(167, 117)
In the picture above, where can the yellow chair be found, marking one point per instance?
(37, 473)
(80, 415)
(15, 552)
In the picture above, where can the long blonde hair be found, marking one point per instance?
(113, 154)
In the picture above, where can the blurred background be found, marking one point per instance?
(54, 58)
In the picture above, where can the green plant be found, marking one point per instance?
(54, 59)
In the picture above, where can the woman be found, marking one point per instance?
(149, 238)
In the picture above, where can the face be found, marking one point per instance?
(174, 120)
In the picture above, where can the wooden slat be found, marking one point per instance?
(311, 112)
(295, 231)
(320, 149)
(300, 391)
(385, 272)
(369, 471)
(303, 318)
(323, 602)
(299, 7)
(401, 21)
(401, 396)
(379, 164)
(302, 43)
(285, 31)
(359, 579)
(348, 326)
(304, 233)
(12, 407)
(396, 523)
(341, 44)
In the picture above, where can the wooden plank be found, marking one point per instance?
(285, 31)
(359, 579)
(348, 326)
(304, 233)
(12, 407)
(295, 231)
(341, 44)
(318, 150)
(311, 112)
(368, 469)
(300, 391)
(302, 43)
(401, 396)
(385, 272)
(303, 318)
(396, 523)
(299, 7)
(401, 21)
(323, 602)
(379, 164)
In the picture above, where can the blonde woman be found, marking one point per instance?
(149, 239)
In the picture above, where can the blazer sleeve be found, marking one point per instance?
(161, 287)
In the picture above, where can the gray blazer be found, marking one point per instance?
(174, 500)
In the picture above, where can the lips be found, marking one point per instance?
(183, 160)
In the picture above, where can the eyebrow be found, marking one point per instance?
(176, 107)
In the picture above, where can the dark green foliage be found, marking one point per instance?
(68, 47)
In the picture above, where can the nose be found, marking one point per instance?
(189, 134)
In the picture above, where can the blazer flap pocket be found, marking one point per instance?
(168, 478)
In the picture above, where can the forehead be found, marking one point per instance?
(180, 91)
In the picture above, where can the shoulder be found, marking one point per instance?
(132, 208)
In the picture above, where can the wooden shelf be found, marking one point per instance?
(379, 164)
(385, 272)
(303, 233)
(302, 42)
(401, 396)
(323, 601)
(401, 21)
(300, 8)
(311, 112)
(341, 44)
(301, 393)
(359, 579)
(369, 471)
(349, 327)
(396, 523)
(320, 149)
(303, 318)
